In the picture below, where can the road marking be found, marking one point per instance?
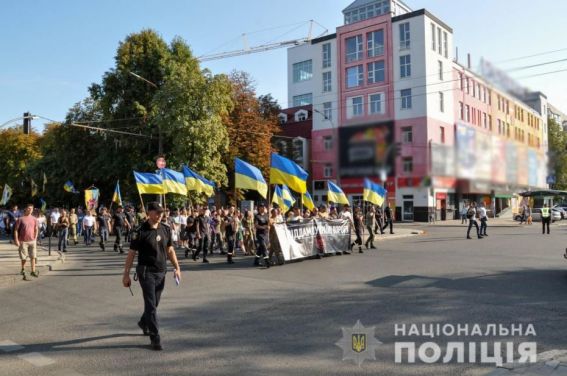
(36, 359)
(9, 346)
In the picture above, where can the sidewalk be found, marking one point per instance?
(552, 363)
(10, 263)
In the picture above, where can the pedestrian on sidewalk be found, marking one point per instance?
(63, 231)
(370, 225)
(471, 216)
(389, 214)
(483, 219)
(545, 218)
(153, 243)
(88, 227)
(26, 231)
(73, 221)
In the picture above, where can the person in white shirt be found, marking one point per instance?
(471, 215)
(483, 219)
(88, 225)
(53, 220)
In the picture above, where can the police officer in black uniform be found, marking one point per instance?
(152, 240)
(119, 226)
(229, 233)
(262, 224)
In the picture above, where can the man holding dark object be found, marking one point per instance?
(153, 242)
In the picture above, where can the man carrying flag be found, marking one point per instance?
(117, 197)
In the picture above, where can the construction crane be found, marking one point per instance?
(264, 47)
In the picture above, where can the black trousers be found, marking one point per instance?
(216, 238)
(229, 243)
(203, 246)
(483, 226)
(390, 223)
(379, 224)
(261, 248)
(472, 222)
(545, 223)
(152, 284)
(118, 231)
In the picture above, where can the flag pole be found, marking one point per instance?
(142, 201)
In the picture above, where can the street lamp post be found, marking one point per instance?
(335, 143)
(160, 141)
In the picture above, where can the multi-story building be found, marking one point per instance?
(390, 103)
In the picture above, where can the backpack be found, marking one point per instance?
(470, 213)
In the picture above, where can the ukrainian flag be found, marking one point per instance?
(173, 182)
(287, 196)
(147, 182)
(373, 193)
(335, 194)
(279, 200)
(196, 182)
(285, 171)
(308, 201)
(117, 197)
(69, 187)
(247, 176)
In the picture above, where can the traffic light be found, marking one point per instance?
(27, 123)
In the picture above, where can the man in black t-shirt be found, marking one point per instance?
(229, 233)
(262, 225)
(119, 225)
(191, 231)
(203, 234)
(152, 241)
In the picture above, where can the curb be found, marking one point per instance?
(43, 267)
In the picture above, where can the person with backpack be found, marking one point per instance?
(471, 216)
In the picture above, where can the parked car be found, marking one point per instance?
(562, 208)
(556, 215)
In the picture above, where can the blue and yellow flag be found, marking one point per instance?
(173, 182)
(335, 194)
(285, 171)
(148, 183)
(278, 199)
(117, 197)
(43, 204)
(308, 201)
(196, 182)
(6, 194)
(287, 196)
(247, 176)
(373, 193)
(69, 187)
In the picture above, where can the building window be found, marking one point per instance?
(302, 100)
(406, 98)
(376, 103)
(433, 37)
(376, 72)
(357, 106)
(328, 142)
(326, 55)
(327, 81)
(302, 71)
(467, 113)
(282, 118)
(441, 102)
(461, 110)
(405, 66)
(468, 85)
(445, 45)
(328, 111)
(328, 171)
(375, 43)
(407, 135)
(442, 134)
(354, 76)
(461, 81)
(440, 63)
(407, 164)
(439, 45)
(353, 48)
(473, 89)
(484, 120)
(404, 36)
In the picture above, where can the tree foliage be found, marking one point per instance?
(557, 139)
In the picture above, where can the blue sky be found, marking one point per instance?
(52, 50)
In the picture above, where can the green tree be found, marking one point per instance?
(18, 153)
(557, 139)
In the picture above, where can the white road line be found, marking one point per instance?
(36, 359)
(9, 346)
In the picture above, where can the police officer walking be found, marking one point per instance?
(119, 226)
(153, 243)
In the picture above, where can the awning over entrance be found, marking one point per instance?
(543, 193)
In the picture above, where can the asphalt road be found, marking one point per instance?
(241, 320)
